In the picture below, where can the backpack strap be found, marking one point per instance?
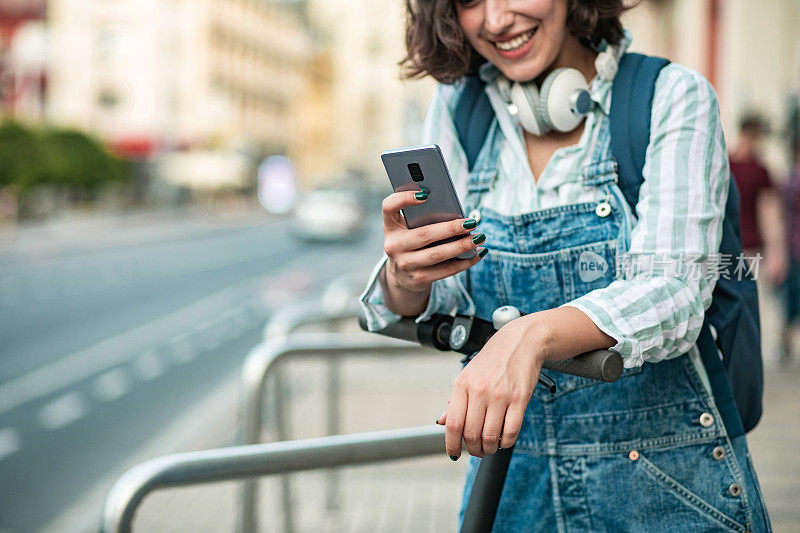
(631, 105)
(473, 116)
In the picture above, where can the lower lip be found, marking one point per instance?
(519, 52)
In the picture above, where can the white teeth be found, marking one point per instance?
(513, 44)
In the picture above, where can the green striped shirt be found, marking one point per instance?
(653, 315)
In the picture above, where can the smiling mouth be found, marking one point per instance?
(517, 42)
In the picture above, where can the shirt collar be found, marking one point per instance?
(599, 88)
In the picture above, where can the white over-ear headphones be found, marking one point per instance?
(562, 101)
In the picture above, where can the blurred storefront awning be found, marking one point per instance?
(134, 147)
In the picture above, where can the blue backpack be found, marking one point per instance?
(733, 359)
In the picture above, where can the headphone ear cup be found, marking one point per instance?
(556, 98)
(525, 97)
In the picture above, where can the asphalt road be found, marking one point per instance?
(100, 351)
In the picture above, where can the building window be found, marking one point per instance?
(108, 99)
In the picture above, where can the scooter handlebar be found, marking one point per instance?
(603, 365)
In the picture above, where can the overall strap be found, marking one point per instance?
(719, 382)
(631, 105)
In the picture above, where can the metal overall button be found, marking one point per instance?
(735, 489)
(603, 209)
(475, 214)
(706, 420)
(718, 453)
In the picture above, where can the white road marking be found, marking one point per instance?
(115, 350)
(149, 365)
(10, 442)
(63, 411)
(111, 385)
(203, 326)
(209, 423)
(180, 349)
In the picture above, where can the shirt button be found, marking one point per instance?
(706, 420)
(718, 453)
(735, 489)
(603, 209)
(475, 214)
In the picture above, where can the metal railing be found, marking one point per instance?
(259, 366)
(237, 462)
(338, 305)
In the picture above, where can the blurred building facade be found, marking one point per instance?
(371, 110)
(750, 51)
(23, 72)
(154, 74)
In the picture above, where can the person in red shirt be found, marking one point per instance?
(761, 215)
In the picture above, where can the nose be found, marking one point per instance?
(498, 18)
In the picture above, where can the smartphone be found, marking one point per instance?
(411, 169)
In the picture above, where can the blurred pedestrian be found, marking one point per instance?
(761, 213)
(791, 286)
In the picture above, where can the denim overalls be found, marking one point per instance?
(647, 453)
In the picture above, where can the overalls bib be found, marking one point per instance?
(647, 453)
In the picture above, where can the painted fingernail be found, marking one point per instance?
(454, 458)
(470, 223)
(479, 238)
(421, 196)
(483, 253)
(424, 189)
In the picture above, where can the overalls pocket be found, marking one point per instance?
(694, 485)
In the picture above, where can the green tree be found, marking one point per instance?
(76, 161)
(21, 157)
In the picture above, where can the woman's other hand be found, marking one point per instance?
(411, 270)
(491, 393)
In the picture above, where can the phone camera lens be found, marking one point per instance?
(415, 171)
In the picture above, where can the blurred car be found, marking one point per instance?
(330, 214)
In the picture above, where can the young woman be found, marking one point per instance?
(557, 240)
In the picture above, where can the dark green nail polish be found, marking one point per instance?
(479, 238)
(470, 223)
(424, 189)
(483, 253)
(421, 195)
(454, 457)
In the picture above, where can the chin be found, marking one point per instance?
(520, 73)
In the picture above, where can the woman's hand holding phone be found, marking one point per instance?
(412, 268)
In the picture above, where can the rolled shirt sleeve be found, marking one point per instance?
(447, 295)
(655, 307)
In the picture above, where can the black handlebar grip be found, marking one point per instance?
(603, 365)
(404, 329)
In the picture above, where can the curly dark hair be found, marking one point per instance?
(436, 45)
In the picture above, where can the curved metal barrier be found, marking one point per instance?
(239, 462)
(337, 305)
(260, 364)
